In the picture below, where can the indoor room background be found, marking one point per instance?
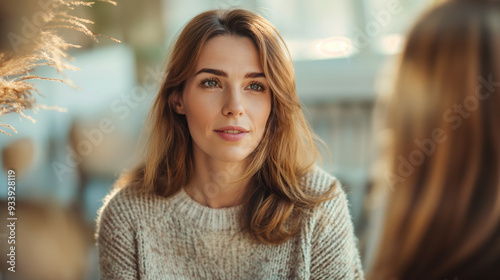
(66, 162)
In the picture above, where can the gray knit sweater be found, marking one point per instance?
(152, 237)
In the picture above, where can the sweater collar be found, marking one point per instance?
(204, 217)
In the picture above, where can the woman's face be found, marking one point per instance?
(226, 100)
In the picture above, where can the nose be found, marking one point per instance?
(233, 103)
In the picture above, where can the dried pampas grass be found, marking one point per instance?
(44, 48)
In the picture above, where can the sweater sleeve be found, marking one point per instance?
(334, 249)
(116, 242)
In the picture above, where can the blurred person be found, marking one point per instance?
(442, 217)
(227, 187)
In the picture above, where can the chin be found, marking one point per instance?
(231, 156)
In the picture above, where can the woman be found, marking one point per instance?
(443, 211)
(227, 188)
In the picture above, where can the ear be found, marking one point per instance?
(178, 103)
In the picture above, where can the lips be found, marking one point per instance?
(232, 133)
(232, 129)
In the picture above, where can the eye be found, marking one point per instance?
(256, 86)
(210, 83)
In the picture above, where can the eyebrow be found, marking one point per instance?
(224, 74)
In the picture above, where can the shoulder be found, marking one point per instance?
(334, 250)
(122, 208)
(121, 200)
(317, 182)
(333, 211)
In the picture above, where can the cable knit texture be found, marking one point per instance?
(152, 237)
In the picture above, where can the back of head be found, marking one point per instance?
(443, 217)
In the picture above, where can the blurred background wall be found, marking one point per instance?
(66, 162)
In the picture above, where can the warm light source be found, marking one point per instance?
(334, 47)
(391, 44)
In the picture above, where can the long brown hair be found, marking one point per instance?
(443, 118)
(285, 155)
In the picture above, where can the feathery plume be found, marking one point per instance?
(44, 48)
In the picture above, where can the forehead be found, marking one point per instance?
(237, 55)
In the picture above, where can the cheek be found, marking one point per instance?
(194, 111)
(261, 111)
(266, 108)
(199, 112)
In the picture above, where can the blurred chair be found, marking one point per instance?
(51, 242)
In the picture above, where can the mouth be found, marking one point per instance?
(232, 129)
(232, 133)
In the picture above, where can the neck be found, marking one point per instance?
(213, 182)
